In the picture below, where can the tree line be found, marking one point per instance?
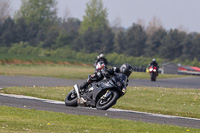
(36, 24)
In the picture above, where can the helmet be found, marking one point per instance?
(101, 55)
(126, 69)
(154, 60)
(100, 65)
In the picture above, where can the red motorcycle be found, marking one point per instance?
(153, 72)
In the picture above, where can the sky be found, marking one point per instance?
(172, 13)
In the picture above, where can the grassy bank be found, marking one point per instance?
(67, 71)
(32, 121)
(59, 71)
(169, 101)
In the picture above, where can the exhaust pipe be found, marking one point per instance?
(76, 87)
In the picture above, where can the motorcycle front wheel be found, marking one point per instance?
(153, 77)
(105, 103)
(71, 99)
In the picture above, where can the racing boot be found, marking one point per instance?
(83, 86)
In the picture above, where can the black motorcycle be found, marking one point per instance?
(101, 95)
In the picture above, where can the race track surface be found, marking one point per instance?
(49, 105)
(9, 81)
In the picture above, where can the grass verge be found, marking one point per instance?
(26, 120)
(59, 71)
(169, 101)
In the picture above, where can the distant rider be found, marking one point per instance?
(101, 57)
(154, 63)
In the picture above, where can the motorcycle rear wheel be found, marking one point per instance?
(71, 99)
(104, 104)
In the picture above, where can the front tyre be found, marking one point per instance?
(71, 99)
(153, 76)
(105, 103)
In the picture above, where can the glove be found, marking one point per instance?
(115, 69)
(105, 73)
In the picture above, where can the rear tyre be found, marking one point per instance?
(71, 99)
(106, 103)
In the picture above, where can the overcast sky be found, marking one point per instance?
(172, 13)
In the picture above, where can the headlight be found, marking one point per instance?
(123, 90)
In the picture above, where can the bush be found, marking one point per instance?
(26, 52)
(24, 48)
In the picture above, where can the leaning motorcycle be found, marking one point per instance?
(153, 72)
(101, 95)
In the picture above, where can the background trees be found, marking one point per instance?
(4, 10)
(100, 41)
(95, 17)
(172, 45)
(95, 34)
(36, 25)
(7, 34)
(154, 42)
(40, 17)
(41, 12)
(195, 47)
(136, 38)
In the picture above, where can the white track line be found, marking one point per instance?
(111, 109)
(33, 98)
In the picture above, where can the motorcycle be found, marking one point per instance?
(100, 95)
(100, 65)
(153, 72)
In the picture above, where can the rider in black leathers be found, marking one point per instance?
(154, 63)
(99, 75)
(104, 72)
(101, 57)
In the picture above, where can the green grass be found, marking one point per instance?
(33, 59)
(169, 101)
(59, 71)
(33, 121)
(65, 71)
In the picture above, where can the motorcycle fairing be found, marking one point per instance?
(96, 89)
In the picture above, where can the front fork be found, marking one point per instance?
(107, 94)
(81, 101)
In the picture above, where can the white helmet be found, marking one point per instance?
(101, 55)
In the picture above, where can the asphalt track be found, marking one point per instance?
(9, 81)
(56, 106)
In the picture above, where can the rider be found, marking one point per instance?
(101, 57)
(100, 73)
(154, 63)
(127, 70)
(104, 72)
